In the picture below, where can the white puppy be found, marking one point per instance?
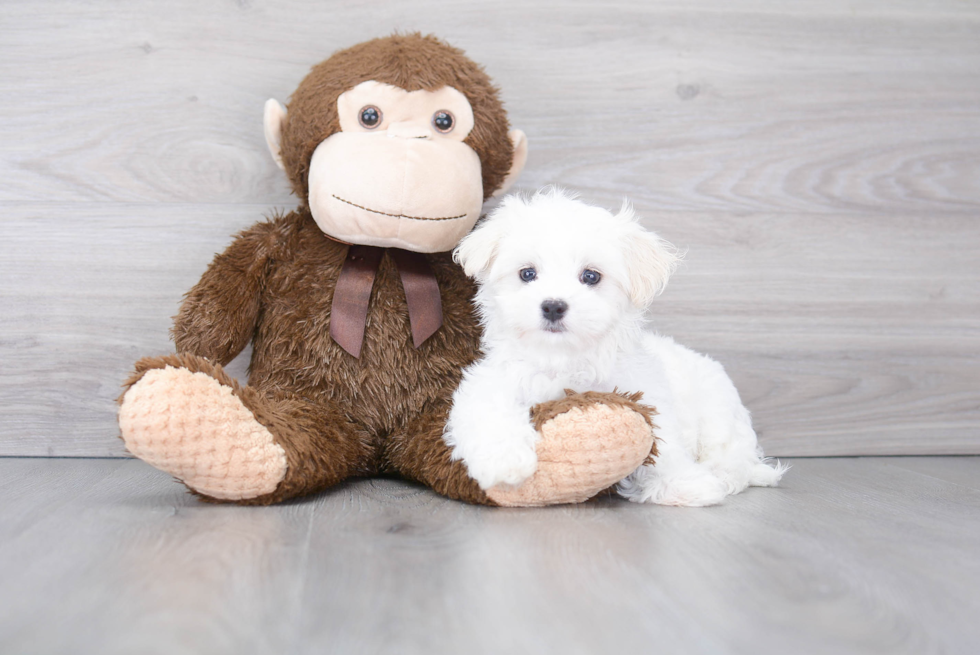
(563, 289)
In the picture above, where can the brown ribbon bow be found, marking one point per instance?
(348, 313)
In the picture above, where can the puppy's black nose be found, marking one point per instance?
(553, 310)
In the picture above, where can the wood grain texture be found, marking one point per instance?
(867, 555)
(821, 164)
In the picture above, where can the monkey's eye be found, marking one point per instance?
(528, 274)
(369, 117)
(590, 277)
(443, 121)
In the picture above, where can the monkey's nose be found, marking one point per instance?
(410, 130)
(554, 310)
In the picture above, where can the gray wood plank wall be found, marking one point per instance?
(821, 161)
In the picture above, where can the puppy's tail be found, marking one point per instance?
(766, 474)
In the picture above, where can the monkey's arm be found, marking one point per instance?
(219, 314)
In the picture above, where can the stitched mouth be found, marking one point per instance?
(414, 218)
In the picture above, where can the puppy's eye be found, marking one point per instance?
(369, 117)
(528, 274)
(590, 277)
(443, 121)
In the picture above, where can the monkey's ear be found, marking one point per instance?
(517, 165)
(275, 115)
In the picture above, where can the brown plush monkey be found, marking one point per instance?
(392, 145)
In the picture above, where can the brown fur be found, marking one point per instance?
(334, 415)
(412, 62)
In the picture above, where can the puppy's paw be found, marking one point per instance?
(509, 463)
(690, 487)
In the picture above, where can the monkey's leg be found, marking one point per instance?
(228, 443)
(588, 443)
(419, 453)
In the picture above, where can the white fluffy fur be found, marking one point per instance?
(707, 446)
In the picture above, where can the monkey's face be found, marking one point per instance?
(398, 173)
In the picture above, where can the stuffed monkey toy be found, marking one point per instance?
(360, 321)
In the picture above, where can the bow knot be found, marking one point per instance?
(348, 312)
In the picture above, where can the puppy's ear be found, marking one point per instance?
(650, 260)
(476, 252)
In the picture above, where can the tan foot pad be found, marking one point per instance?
(196, 429)
(581, 452)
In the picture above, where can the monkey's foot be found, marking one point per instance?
(198, 430)
(589, 441)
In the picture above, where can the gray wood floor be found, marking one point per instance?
(820, 161)
(867, 555)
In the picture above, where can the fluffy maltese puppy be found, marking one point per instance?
(563, 287)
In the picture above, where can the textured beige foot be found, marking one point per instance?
(582, 452)
(196, 429)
